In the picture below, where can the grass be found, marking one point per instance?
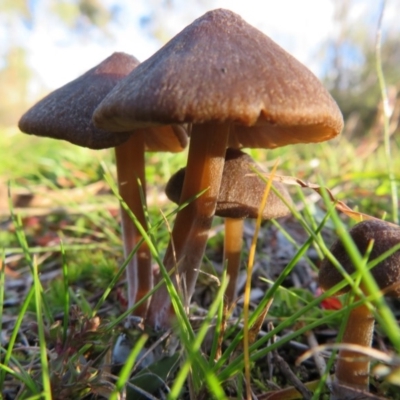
(63, 292)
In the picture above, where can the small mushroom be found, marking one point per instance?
(66, 114)
(240, 196)
(236, 88)
(352, 368)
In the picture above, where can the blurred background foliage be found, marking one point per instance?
(355, 85)
(349, 57)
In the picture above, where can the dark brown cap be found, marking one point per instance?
(385, 235)
(66, 113)
(221, 69)
(241, 190)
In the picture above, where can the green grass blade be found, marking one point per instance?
(340, 334)
(2, 282)
(236, 364)
(127, 368)
(218, 325)
(175, 298)
(42, 340)
(268, 296)
(22, 376)
(15, 331)
(384, 315)
(195, 359)
(21, 237)
(67, 297)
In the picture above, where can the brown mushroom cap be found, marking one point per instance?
(66, 113)
(241, 190)
(385, 235)
(222, 69)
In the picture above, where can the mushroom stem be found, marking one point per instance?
(233, 242)
(130, 168)
(352, 368)
(190, 232)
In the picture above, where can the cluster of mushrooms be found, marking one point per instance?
(218, 86)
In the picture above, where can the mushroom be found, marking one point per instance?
(239, 197)
(236, 88)
(352, 368)
(66, 113)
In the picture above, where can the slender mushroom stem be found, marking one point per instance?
(190, 232)
(238, 198)
(131, 168)
(233, 242)
(352, 368)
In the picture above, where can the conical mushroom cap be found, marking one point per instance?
(221, 69)
(241, 190)
(385, 235)
(66, 113)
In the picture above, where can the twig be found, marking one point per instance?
(318, 359)
(291, 377)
